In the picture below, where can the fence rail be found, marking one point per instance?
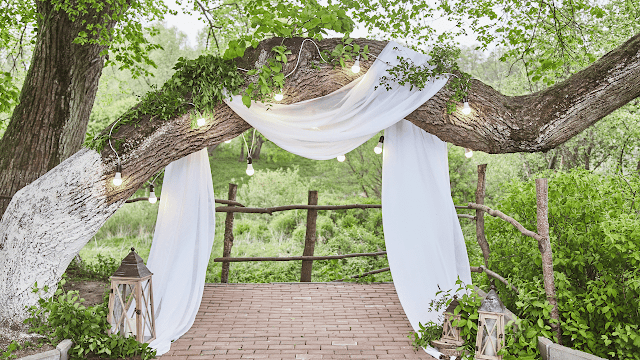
(294, 258)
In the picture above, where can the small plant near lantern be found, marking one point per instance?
(131, 308)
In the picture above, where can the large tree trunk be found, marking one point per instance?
(51, 219)
(50, 122)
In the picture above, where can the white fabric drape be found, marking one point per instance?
(424, 241)
(181, 246)
(332, 125)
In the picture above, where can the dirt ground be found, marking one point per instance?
(92, 292)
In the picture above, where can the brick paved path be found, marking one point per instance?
(298, 321)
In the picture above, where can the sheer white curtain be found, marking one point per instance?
(181, 246)
(424, 241)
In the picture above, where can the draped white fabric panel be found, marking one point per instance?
(325, 127)
(181, 246)
(425, 246)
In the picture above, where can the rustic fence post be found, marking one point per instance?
(544, 244)
(480, 193)
(310, 238)
(228, 236)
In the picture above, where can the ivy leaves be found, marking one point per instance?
(443, 61)
(348, 50)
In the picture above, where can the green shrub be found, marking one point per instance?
(274, 188)
(251, 229)
(62, 316)
(325, 228)
(101, 269)
(595, 238)
(284, 222)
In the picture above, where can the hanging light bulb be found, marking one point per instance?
(228, 141)
(356, 66)
(152, 195)
(279, 96)
(250, 170)
(117, 179)
(468, 152)
(201, 122)
(378, 148)
(466, 109)
(341, 158)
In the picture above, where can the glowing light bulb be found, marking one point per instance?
(227, 141)
(117, 180)
(465, 108)
(356, 66)
(152, 194)
(341, 158)
(378, 148)
(279, 97)
(201, 122)
(468, 152)
(250, 170)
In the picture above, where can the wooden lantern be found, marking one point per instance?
(490, 337)
(131, 309)
(451, 339)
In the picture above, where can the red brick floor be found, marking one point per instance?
(298, 321)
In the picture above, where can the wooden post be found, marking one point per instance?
(228, 236)
(310, 238)
(544, 244)
(480, 192)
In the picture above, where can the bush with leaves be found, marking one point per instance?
(595, 236)
(63, 316)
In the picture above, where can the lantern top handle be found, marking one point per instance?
(132, 266)
(492, 302)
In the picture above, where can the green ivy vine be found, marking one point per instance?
(443, 61)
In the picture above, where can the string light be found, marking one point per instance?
(152, 194)
(378, 148)
(250, 170)
(468, 152)
(466, 109)
(356, 66)
(201, 121)
(117, 179)
(341, 158)
(279, 96)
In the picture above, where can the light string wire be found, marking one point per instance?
(298, 59)
(111, 146)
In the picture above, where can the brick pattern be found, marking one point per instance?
(298, 321)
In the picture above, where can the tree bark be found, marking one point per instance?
(228, 236)
(546, 253)
(310, 238)
(50, 122)
(480, 236)
(257, 148)
(50, 220)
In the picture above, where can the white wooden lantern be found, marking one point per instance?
(451, 339)
(490, 337)
(131, 309)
